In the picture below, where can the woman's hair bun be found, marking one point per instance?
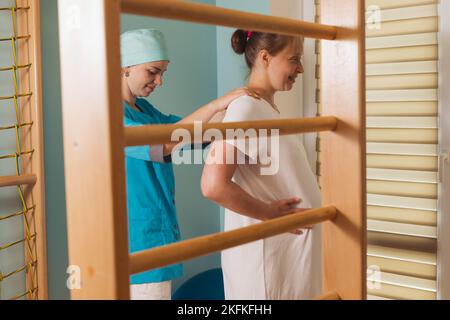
(239, 41)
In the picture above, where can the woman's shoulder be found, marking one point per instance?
(246, 101)
(245, 108)
(145, 106)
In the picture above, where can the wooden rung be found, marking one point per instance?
(328, 296)
(160, 134)
(17, 180)
(208, 14)
(14, 8)
(188, 249)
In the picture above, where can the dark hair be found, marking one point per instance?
(251, 46)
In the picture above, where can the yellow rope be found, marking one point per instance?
(15, 243)
(8, 156)
(17, 214)
(16, 96)
(14, 67)
(14, 71)
(14, 126)
(29, 238)
(14, 8)
(27, 267)
(19, 149)
(16, 38)
(29, 292)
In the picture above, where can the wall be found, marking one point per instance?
(54, 154)
(232, 71)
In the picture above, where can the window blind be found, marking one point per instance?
(402, 139)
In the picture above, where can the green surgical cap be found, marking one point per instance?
(142, 46)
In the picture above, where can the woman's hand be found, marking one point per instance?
(222, 103)
(284, 207)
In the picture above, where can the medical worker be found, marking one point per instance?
(149, 173)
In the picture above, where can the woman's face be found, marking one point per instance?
(284, 68)
(144, 78)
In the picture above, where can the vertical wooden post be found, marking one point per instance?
(443, 254)
(94, 147)
(32, 139)
(343, 175)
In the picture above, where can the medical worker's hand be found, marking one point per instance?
(287, 206)
(224, 101)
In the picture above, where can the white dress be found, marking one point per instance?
(287, 266)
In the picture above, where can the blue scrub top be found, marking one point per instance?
(152, 217)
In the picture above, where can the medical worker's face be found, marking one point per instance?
(284, 68)
(144, 78)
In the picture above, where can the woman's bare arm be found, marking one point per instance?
(217, 185)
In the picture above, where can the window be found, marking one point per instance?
(402, 147)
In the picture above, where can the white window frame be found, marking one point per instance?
(309, 83)
(443, 255)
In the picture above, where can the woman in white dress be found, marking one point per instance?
(275, 180)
